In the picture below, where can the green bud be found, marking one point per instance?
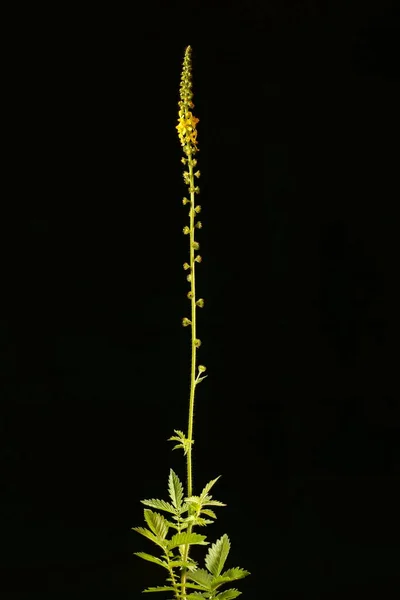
(197, 208)
(196, 245)
(186, 266)
(186, 230)
(198, 258)
(200, 302)
(186, 322)
(197, 343)
(199, 225)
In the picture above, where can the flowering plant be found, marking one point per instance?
(186, 511)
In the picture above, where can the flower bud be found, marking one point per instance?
(198, 258)
(197, 343)
(197, 208)
(196, 245)
(200, 302)
(186, 322)
(186, 266)
(186, 230)
(189, 277)
(202, 368)
(197, 173)
(190, 295)
(199, 225)
(185, 201)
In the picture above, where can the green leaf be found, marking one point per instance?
(175, 526)
(196, 596)
(213, 503)
(180, 563)
(150, 536)
(228, 594)
(157, 523)
(194, 586)
(209, 513)
(208, 487)
(153, 559)
(217, 555)
(202, 577)
(160, 504)
(175, 489)
(230, 575)
(165, 588)
(194, 500)
(181, 539)
(202, 522)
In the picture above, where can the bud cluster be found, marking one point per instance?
(187, 134)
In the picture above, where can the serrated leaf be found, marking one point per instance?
(178, 446)
(193, 500)
(217, 555)
(165, 588)
(157, 523)
(175, 489)
(179, 437)
(153, 559)
(160, 504)
(146, 533)
(182, 539)
(228, 576)
(213, 503)
(194, 586)
(228, 594)
(202, 577)
(177, 527)
(181, 563)
(202, 522)
(209, 513)
(208, 487)
(196, 597)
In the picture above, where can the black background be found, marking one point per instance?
(298, 135)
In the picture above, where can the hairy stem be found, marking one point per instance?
(193, 363)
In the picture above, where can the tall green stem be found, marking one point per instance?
(193, 319)
(193, 363)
